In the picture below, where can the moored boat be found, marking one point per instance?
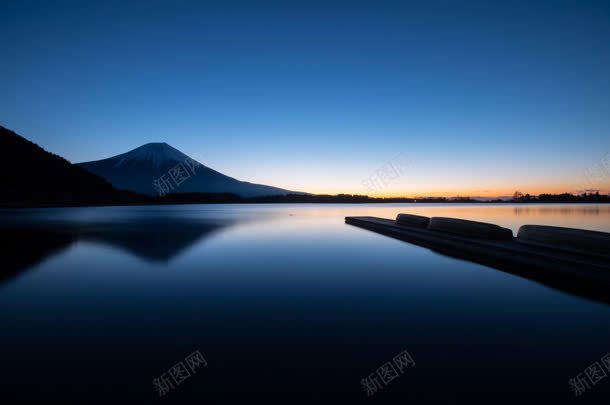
(539, 252)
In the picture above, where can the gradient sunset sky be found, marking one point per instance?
(460, 98)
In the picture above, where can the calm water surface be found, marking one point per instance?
(286, 303)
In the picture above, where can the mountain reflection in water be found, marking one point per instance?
(157, 239)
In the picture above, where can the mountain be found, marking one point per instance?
(158, 168)
(32, 176)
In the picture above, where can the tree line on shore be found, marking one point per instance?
(591, 197)
(210, 198)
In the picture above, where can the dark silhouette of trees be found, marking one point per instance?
(562, 198)
(32, 176)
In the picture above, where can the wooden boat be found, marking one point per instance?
(561, 257)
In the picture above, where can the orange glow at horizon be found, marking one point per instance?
(494, 193)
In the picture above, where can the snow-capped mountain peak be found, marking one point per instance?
(137, 170)
(155, 153)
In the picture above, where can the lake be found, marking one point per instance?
(286, 303)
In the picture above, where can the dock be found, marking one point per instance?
(566, 258)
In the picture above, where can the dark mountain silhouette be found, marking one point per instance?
(137, 169)
(156, 239)
(32, 176)
(38, 243)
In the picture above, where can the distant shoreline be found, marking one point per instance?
(225, 198)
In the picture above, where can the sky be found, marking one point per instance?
(385, 98)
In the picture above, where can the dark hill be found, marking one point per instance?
(32, 176)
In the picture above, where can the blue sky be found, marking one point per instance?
(478, 98)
